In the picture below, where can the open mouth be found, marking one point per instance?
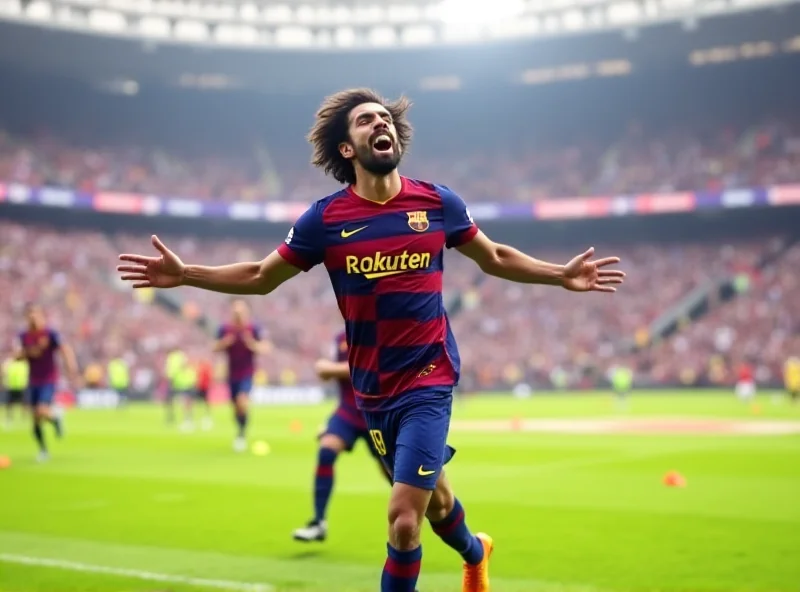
(382, 143)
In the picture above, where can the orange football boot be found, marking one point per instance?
(476, 577)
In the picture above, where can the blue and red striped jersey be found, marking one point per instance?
(241, 359)
(40, 349)
(385, 263)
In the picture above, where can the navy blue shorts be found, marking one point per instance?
(412, 440)
(239, 387)
(42, 394)
(349, 432)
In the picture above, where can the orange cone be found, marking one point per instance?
(296, 426)
(5, 462)
(674, 479)
(516, 424)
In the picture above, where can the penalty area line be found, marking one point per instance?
(135, 573)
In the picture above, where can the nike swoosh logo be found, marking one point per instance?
(346, 234)
(423, 473)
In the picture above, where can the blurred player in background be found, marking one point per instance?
(240, 340)
(15, 384)
(175, 361)
(184, 386)
(382, 240)
(745, 384)
(38, 344)
(118, 377)
(205, 376)
(621, 382)
(345, 427)
(791, 378)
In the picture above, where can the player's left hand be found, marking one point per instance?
(323, 368)
(583, 275)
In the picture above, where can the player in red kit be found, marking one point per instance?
(382, 240)
(345, 427)
(241, 341)
(39, 344)
(745, 383)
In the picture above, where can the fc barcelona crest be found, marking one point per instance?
(418, 221)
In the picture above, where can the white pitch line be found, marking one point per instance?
(136, 573)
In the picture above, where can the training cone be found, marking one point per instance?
(516, 424)
(674, 479)
(260, 448)
(755, 409)
(5, 462)
(296, 426)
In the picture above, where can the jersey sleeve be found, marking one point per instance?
(459, 228)
(304, 247)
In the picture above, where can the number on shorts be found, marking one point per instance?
(377, 440)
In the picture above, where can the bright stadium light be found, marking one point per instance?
(456, 12)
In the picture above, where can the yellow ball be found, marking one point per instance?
(260, 448)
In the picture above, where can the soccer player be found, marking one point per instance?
(745, 384)
(205, 375)
(173, 365)
(791, 378)
(38, 344)
(382, 239)
(621, 381)
(345, 427)
(15, 383)
(240, 340)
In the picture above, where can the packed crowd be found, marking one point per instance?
(638, 160)
(508, 334)
(70, 273)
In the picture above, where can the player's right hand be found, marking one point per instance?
(165, 271)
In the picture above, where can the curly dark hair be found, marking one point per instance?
(331, 129)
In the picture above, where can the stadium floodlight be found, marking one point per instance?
(457, 12)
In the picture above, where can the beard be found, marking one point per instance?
(380, 164)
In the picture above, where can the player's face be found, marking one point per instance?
(373, 139)
(239, 312)
(35, 318)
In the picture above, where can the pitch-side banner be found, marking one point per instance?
(564, 208)
(287, 395)
(97, 399)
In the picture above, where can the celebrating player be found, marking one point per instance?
(345, 427)
(382, 239)
(38, 345)
(240, 340)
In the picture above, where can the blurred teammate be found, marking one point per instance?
(15, 383)
(38, 344)
(382, 239)
(791, 378)
(240, 340)
(345, 427)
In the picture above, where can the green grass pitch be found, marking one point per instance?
(128, 504)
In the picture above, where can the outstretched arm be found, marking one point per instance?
(168, 271)
(330, 370)
(579, 275)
